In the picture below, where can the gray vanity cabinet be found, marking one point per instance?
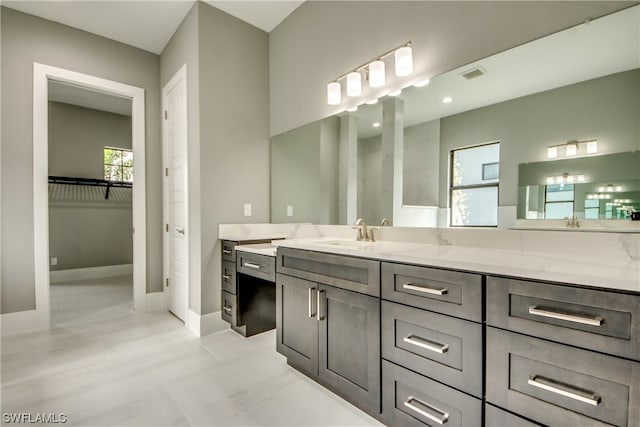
(330, 332)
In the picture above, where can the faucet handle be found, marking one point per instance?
(359, 237)
(371, 236)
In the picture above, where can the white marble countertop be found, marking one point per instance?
(245, 238)
(259, 248)
(592, 270)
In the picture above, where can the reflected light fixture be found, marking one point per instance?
(422, 83)
(395, 92)
(354, 84)
(552, 152)
(592, 146)
(376, 124)
(352, 109)
(447, 100)
(572, 148)
(404, 61)
(376, 73)
(334, 94)
(372, 101)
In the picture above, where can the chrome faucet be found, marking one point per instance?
(572, 222)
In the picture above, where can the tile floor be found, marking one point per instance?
(100, 364)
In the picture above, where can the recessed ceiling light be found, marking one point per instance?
(352, 109)
(372, 101)
(422, 83)
(376, 124)
(395, 92)
(447, 99)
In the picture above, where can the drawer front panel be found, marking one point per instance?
(560, 385)
(354, 274)
(440, 347)
(409, 399)
(229, 250)
(598, 320)
(229, 277)
(261, 266)
(448, 292)
(495, 417)
(229, 308)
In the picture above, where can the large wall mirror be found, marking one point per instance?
(474, 147)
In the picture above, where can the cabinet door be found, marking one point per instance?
(349, 345)
(296, 324)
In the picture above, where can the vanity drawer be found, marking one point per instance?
(354, 274)
(229, 308)
(448, 292)
(229, 277)
(496, 417)
(229, 250)
(409, 399)
(555, 384)
(256, 265)
(441, 347)
(598, 320)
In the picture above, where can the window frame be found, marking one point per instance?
(453, 188)
(121, 165)
(573, 200)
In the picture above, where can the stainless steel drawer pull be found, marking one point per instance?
(226, 276)
(441, 417)
(227, 308)
(311, 313)
(592, 321)
(427, 344)
(226, 251)
(319, 306)
(252, 265)
(424, 290)
(564, 390)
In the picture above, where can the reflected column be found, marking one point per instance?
(348, 170)
(392, 157)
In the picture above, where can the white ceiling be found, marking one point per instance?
(83, 97)
(147, 24)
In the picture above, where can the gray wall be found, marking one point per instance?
(227, 62)
(420, 168)
(85, 230)
(322, 40)
(606, 109)
(25, 40)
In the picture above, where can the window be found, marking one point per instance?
(118, 164)
(591, 209)
(474, 186)
(558, 201)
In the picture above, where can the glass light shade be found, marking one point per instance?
(571, 150)
(354, 84)
(422, 83)
(376, 124)
(334, 95)
(404, 61)
(580, 178)
(376, 74)
(570, 178)
(619, 188)
(352, 109)
(592, 147)
(552, 152)
(559, 179)
(395, 92)
(372, 101)
(550, 180)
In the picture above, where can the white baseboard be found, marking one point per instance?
(154, 301)
(59, 276)
(23, 321)
(205, 324)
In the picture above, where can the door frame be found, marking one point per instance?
(180, 75)
(41, 75)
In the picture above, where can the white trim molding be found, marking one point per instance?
(41, 76)
(205, 324)
(70, 275)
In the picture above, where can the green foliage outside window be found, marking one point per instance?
(118, 164)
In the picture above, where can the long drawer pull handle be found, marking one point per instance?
(227, 308)
(427, 344)
(252, 265)
(564, 390)
(424, 290)
(226, 251)
(311, 313)
(592, 321)
(441, 419)
(319, 306)
(226, 277)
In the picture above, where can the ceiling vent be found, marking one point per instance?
(474, 73)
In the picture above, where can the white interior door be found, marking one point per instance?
(176, 194)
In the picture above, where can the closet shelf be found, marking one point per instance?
(91, 182)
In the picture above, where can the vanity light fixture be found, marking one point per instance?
(422, 83)
(552, 152)
(592, 146)
(352, 109)
(566, 178)
(372, 101)
(375, 72)
(573, 148)
(354, 84)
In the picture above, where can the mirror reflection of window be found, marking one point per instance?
(591, 209)
(118, 164)
(474, 186)
(559, 200)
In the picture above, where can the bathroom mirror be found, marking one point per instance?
(576, 85)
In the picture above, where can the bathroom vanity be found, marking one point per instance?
(424, 334)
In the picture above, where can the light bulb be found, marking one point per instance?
(571, 150)
(376, 74)
(447, 100)
(550, 180)
(404, 61)
(570, 178)
(580, 178)
(334, 96)
(552, 152)
(592, 147)
(376, 124)
(354, 84)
